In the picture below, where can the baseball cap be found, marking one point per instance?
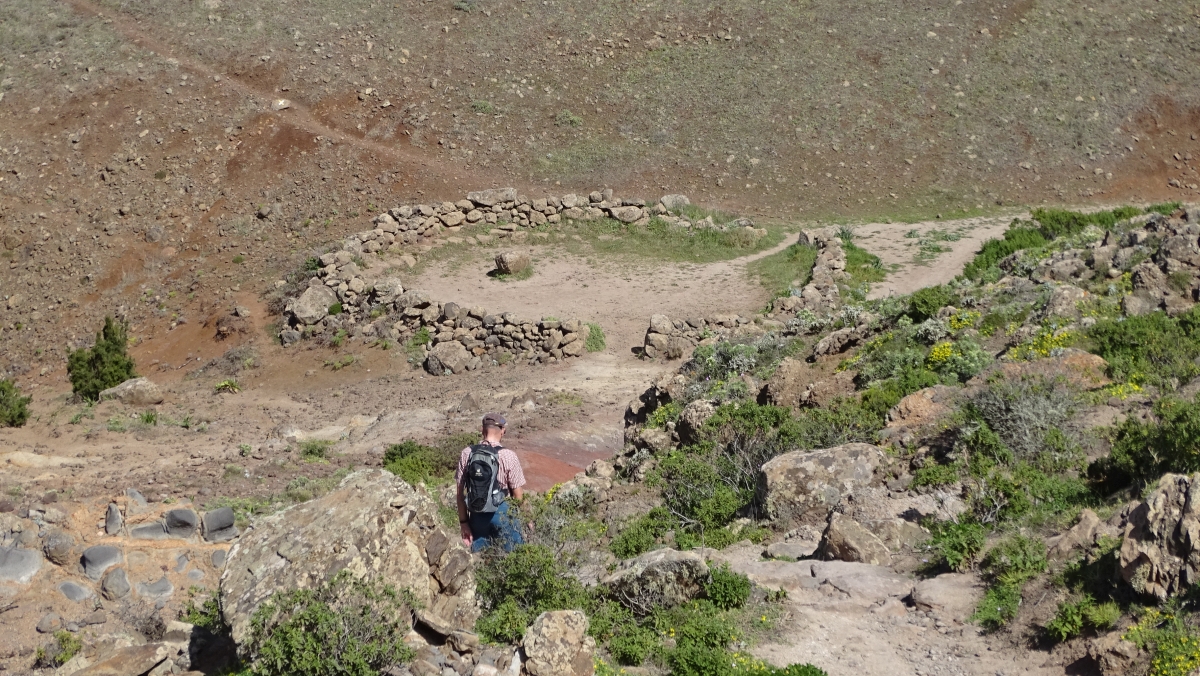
(494, 420)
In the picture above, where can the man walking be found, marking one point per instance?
(488, 477)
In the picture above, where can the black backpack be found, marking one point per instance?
(481, 491)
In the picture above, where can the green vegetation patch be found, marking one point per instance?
(104, 365)
(789, 269)
(14, 408)
(431, 465)
(1150, 349)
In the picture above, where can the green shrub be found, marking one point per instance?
(955, 544)
(935, 475)
(639, 536)
(314, 449)
(416, 463)
(14, 409)
(345, 627)
(668, 412)
(1165, 208)
(697, 494)
(882, 395)
(1142, 451)
(595, 338)
(207, 615)
(995, 250)
(1055, 223)
(66, 645)
(1154, 348)
(1073, 617)
(105, 365)
(1026, 417)
(525, 583)
(633, 645)
(1008, 566)
(726, 589)
(924, 304)
(998, 606)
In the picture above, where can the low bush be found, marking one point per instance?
(924, 304)
(633, 644)
(14, 409)
(314, 450)
(1144, 450)
(955, 544)
(514, 589)
(416, 463)
(595, 338)
(1008, 566)
(1074, 617)
(1025, 415)
(65, 646)
(995, 250)
(345, 627)
(726, 589)
(1171, 640)
(1150, 349)
(642, 534)
(104, 365)
(1055, 223)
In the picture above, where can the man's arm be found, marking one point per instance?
(518, 494)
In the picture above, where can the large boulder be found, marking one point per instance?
(661, 578)
(557, 644)
(802, 486)
(447, 356)
(19, 565)
(134, 392)
(1160, 555)
(312, 305)
(373, 525)
(511, 262)
(847, 540)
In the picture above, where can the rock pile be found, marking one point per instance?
(821, 293)
(1160, 253)
(510, 212)
(451, 338)
(673, 339)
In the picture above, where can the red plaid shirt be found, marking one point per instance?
(511, 475)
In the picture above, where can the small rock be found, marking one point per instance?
(157, 589)
(219, 525)
(99, 558)
(59, 547)
(115, 585)
(181, 523)
(113, 521)
(49, 623)
(74, 591)
(511, 262)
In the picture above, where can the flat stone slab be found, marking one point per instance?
(19, 565)
(149, 531)
(99, 558)
(74, 591)
(160, 588)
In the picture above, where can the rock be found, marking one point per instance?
(601, 469)
(1159, 556)
(134, 392)
(487, 198)
(445, 357)
(219, 525)
(846, 540)
(793, 549)
(627, 214)
(453, 218)
(130, 661)
(49, 623)
(160, 588)
(675, 202)
(372, 524)
(952, 596)
(113, 521)
(897, 533)
(313, 305)
(920, 409)
(74, 591)
(557, 644)
(59, 547)
(511, 262)
(655, 439)
(218, 558)
(801, 486)
(149, 531)
(663, 577)
(180, 523)
(99, 558)
(137, 502)
(1079, 536)
(1113, 655)
(115, 585)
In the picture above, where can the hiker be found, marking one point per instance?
(488, 476)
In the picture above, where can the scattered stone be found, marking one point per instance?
(158, 589)
(447, 357)
(74, 592)
(113, 521)
(134, 392)
(115, 585)
(557, 644)
(219, 525)
(99, 558)
(49, 623)
(59, 547)
(313, 305)
(148, 531)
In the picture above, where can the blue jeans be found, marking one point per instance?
(499, 526)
